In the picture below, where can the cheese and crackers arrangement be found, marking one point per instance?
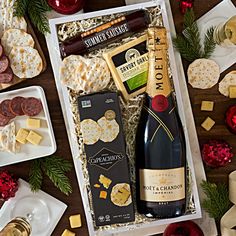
(21, 56)
(100, 63)
(25, 127)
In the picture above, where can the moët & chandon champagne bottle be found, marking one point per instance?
(160, 143)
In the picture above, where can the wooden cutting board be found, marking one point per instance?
(37, 46)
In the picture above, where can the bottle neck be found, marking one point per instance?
(158, 79)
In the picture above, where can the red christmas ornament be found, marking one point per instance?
(230, 119)
(216, 153)
(66, 6)
(184, 5)
(8, 185)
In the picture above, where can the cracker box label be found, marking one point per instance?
(104, 144)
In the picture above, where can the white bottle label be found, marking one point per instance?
(162, 185)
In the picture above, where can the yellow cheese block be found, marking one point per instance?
(232, 91)
(208, 124)
(103, 194)
(67, 233)
(207, 106)
(21, 136)
(105, 181)
(33, 123)
(34, 138)
(75, 221)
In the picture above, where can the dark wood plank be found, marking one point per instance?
(46, 80)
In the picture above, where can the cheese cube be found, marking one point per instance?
(208, 124)
(104, 181)
(21, 136)
(207, 106)
(75, 221)
(97, 185)
(232, 91)
(33, 123)
(34, 138)
(67, 233)
(103, 194)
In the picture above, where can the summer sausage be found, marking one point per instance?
(15, 106)
(3, 120)
(31, 106)
(7, 76)
(1, 50)
(4, 63)
(5, 109)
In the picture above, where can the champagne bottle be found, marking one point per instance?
(160, 144)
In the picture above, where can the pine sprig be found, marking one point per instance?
(35, 176)
(217, 202)
(189, 42)
(57, 176)
(55, 168)
(20, 7)
(209, 43)
(36, 10)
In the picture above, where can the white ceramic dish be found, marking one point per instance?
(223, 56)
(55, 207)
(29, 151)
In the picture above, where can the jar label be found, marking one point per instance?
(162, 185)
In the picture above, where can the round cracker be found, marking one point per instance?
(226, 82)
(93, 75)
(91, 131)
(109, 129)
(67, 72)
(16, 37)
(25, 62)
(9, 21)
(115, 194)
(203, 73)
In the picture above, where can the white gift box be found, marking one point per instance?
(184, 107)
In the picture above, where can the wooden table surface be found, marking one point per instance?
(46, 80)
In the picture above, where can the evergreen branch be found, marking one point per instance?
(58, 178)
(189, 18)
(59, 163)
(20, 7)
(209, 43)
(36, 12)
(35, 176)
(189, 42)
(184, 47)
(217, 202)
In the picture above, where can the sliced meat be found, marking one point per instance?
(4, 63)
(15, 106)
(4, 120)
(5, 109)
(7, 76)
(1, 50)
(31, 106)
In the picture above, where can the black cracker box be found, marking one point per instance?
(103, 137)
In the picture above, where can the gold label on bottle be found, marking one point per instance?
(162, 185)
(158, 78)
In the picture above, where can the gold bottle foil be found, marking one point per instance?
(158, 79)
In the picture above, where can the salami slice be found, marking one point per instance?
(3, 120)
(15, 106)
(6, 77)
(1, 50)
(5, 109)
(4, 63)
(31, 106)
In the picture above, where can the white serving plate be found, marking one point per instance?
(29, 151)
(55, 207)
(193, 153)
(223, 56)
